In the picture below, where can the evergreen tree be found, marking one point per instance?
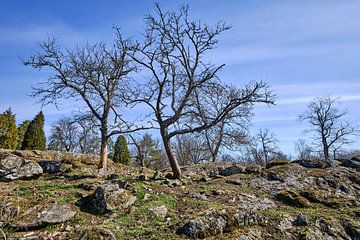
(121, 151)
(8, 130)
(21, 130)
(34, 138)
(149, 150)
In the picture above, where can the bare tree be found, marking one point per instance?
(303, 150)
(262, 147)
(172, 55)
(232, 131)
(330, 130)
(63, 136)
(190, 149)
(96, 74)
(75, 134)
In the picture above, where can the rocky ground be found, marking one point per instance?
(51, 195)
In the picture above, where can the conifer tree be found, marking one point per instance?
(8, 130)
(121, 151)
(34, 138)
(21, 130)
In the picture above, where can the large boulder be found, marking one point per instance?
(314, 163)
(105, 199)
(54, 166)
(13, 167)
(232, 170)
(351, 164)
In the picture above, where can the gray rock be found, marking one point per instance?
(232, 170)
(159, 211)
(13, 167)
(105, 199)
(254, 168)
(53, 167)
(198, 196)
(56, 213)
(52, 214)
(217, 222)
(351, 229)
(301, 220)
(314, 163)
(213, 173)
(351, 164)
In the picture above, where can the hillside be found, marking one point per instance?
(52, 195)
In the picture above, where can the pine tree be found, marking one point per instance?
(21, 130)
(121, 151)
(149, 150)
(34, 138)
(8, 130)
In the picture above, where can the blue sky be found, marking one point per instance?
(304, 49)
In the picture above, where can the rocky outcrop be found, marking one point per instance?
(218, 222)
(13, 167)
(314, 163)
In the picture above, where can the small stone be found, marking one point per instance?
(213, 173)
(146, 196)
(235, 182)
(159, 211)
(300, 220)
(198, 196)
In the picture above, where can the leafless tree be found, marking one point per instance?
(96, 74)
(262, 147)
(63, 136)
(172, 56)
(330, 130)
(190, 149)
(229, 133)
(303, 150)
(75, 134)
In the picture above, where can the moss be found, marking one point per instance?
(292, 198)
(278, 162)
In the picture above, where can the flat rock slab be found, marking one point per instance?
(13, 167)
(52, 214)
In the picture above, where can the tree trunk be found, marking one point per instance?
(172, 159)
(326, 152)
(103, 148)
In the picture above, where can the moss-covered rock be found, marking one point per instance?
(292, 198)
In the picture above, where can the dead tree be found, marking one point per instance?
(172, 56)
(330, 130)
(95, 74)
